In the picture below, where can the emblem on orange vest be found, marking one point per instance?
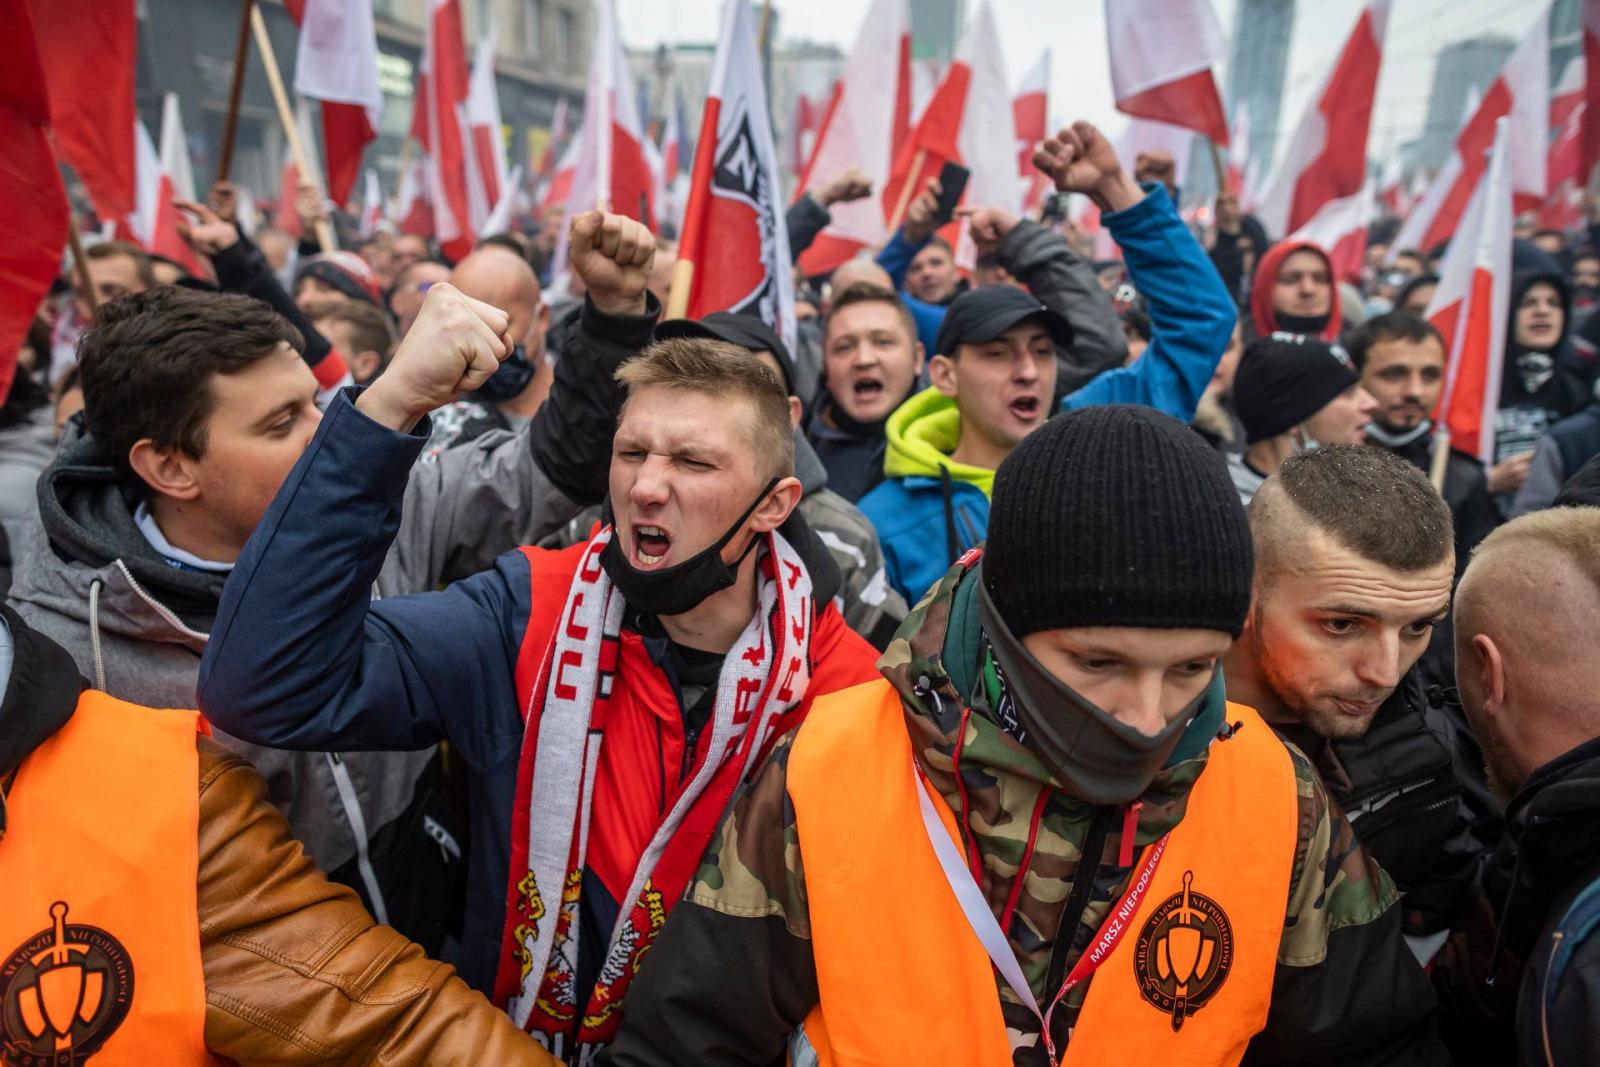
(63, 993)
(1183, 954)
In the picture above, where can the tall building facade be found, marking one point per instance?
(1258, 58)
(1463, 70)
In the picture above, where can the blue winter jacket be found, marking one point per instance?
(895, 258)
(926, 520)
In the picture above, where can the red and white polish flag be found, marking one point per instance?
(1162, 55)
(1563, 207)
(1327, 158)
(1589, 150)
(734, 255)
(162, 176)
(441, 100)
(1340, 228)
(487, 170)
(1030, 110)
(337, 64)
(1521, 93)
(610, 170)
(1472, 304)
(866, 121)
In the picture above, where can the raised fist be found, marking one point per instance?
(1079, 159)
(612, 254)
(453, 347)
(988, 225)
(207, 234)
(853, 184)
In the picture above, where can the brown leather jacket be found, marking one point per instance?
(297, 972)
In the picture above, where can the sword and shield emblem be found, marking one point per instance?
(1184, 952)
(63, 993)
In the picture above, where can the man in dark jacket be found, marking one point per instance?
(608, 699)
(1354, 564)
(198, 407)
(1401, 360)
(1530, 695)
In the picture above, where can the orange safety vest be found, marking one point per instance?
(98, 921)
(903, 979)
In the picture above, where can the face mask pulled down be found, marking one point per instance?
(681, 587)
(1091, 754)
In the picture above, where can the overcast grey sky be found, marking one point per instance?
(1075, 30)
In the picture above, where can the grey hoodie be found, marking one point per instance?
(136, 625)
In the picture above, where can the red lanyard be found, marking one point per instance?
(979, 916)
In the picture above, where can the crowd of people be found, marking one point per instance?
(1055, 661)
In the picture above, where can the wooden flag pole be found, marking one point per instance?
(678, 297)
(241, 56)
(1441, 459)
(904, 200)
(80, 265)
(291, 128)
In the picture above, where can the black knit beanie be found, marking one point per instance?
(1285, 379)
(1117, 515)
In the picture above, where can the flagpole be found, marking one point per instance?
(291, 129)
(905, 190)
(1217, 167)
(80, 265)
(241, 56)
(1441, 459)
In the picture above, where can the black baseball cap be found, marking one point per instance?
(746, 331)
(981, 315)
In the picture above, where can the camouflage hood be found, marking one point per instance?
(938, 663)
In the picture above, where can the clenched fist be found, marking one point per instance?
(1079, 159)
(613, 255)
(453, 347)
(988, 225)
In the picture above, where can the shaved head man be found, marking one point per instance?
(1527, 612)
(858, 271)
(1354, 556)
(503, 279)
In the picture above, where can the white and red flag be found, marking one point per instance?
(1327, 158)
(86, 51)
(1239, 150)
(1162, 55)
(1392, 185)
(1521, 93)
(610, 170)
(486, 162)
(968, 121)
(34, 213)
(1563, 207)
(1589, 149)
(1472, 303)
(1340, 228)
(337, 63)
(442, 90)
(866, 121)
(560, 133)
(558, 188)
(161, 176)
(1030, 110)
(412, 211)
(371, 205)
(734, 255)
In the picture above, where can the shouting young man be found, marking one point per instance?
(608, 699)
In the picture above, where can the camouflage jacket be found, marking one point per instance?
(733, 974)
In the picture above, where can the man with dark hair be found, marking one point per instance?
(115, 268)
(1401, 360)
(360, 333)
(608, 699)
(1045, 836)
(1354, 563)
(198, 407)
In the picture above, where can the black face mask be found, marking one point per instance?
(1092, 755)
(681, 587)
(1310, 325)
(509, 381)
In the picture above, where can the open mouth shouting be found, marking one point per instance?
(1025, 408)
(650, 545)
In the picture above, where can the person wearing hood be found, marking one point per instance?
(1530, 696)
(607, 699)
(994, 374)
(198, 407)
(1293, 393)
(336, 275)
(1044, 835)
(155, 909)
(1539, 385)
(1294, 292)
(871, 607)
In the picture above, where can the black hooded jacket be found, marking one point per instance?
(1539, 387)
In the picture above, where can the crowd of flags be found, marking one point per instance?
(1521, 142)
